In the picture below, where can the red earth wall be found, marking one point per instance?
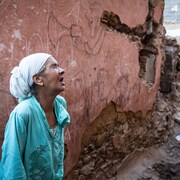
(102, 66)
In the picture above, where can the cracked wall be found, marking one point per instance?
(118, 63)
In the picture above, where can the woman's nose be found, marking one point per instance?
(61, 71)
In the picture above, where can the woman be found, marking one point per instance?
(33, 146)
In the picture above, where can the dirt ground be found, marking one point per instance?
(160, 162)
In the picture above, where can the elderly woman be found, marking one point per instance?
(33, 146)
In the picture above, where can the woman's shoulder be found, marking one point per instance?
(24, 107)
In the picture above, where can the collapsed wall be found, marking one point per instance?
(114, 138)
(112, 52)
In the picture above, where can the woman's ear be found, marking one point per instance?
(38, 80)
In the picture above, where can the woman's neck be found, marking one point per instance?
(46, 102)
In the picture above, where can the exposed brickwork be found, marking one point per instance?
(113, 136)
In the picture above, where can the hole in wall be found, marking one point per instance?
(147, 66)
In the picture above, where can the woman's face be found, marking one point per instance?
(53, 77)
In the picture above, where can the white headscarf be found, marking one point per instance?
(21, 79)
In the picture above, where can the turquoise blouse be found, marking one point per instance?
(30, 150)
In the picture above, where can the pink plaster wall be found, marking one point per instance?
(101, 66)
(158, 10)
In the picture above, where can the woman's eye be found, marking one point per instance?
(55, 65)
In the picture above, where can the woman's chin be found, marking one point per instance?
(62, 89)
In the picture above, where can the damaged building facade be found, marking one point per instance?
(114, 54)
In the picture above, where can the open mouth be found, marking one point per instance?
(61, 79)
